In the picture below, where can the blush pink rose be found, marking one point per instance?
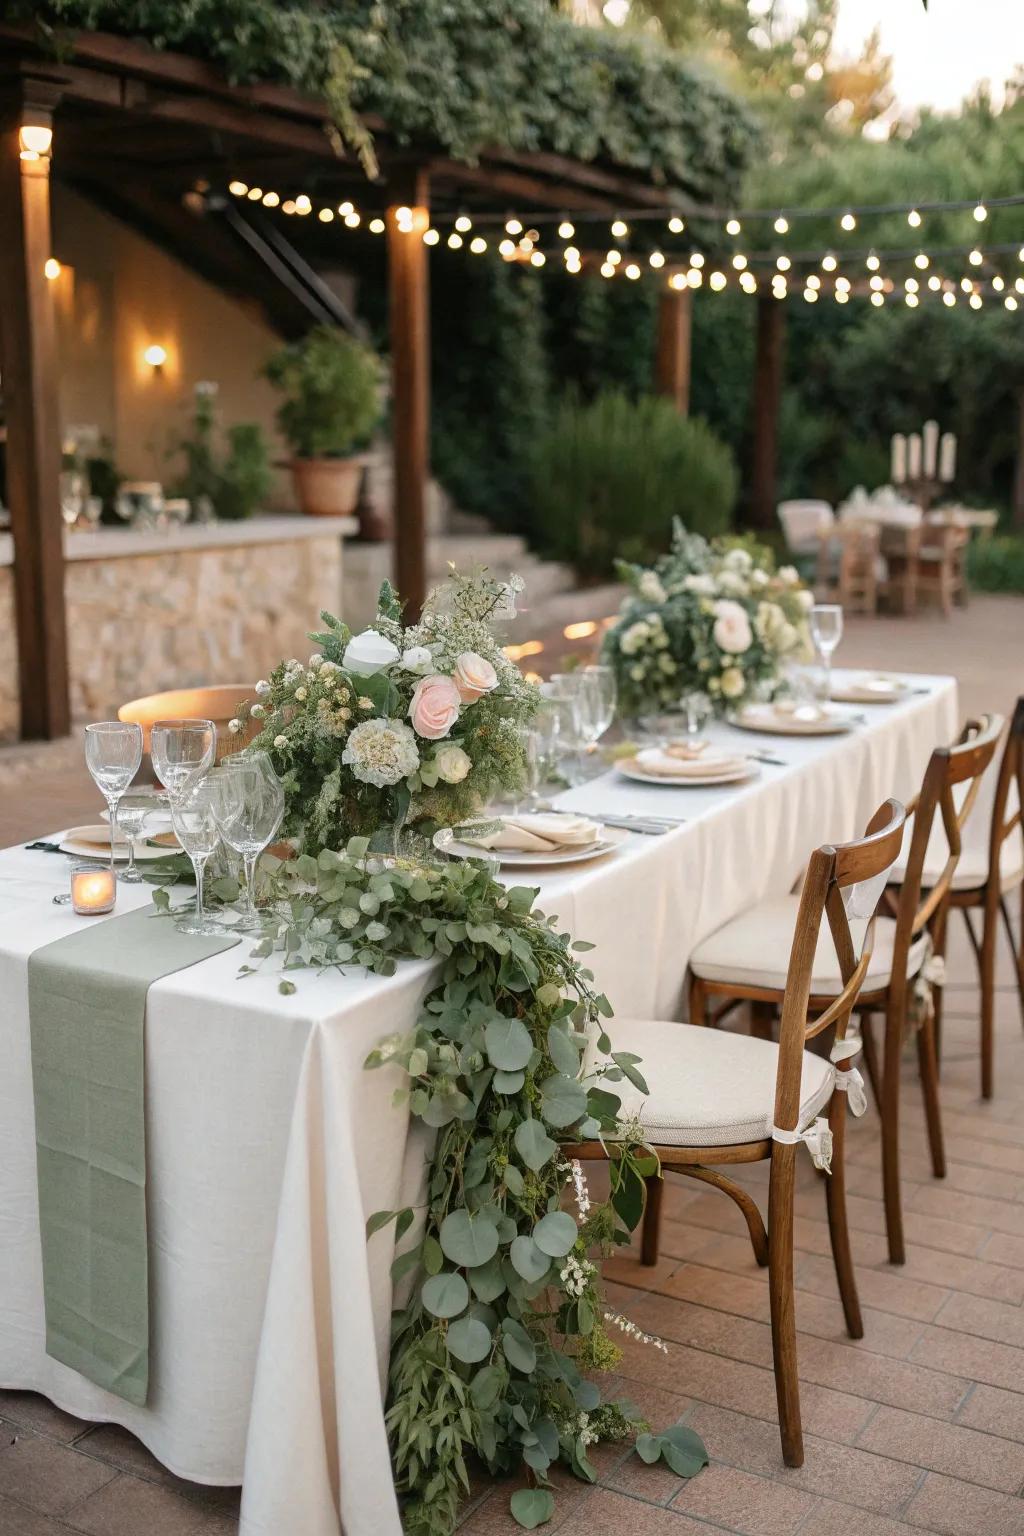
(474, 676)
(434, 706)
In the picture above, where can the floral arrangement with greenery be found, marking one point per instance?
(402, 723)
(711, 617)
(504, 1324)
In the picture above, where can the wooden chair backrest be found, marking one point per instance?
(963, 763)
(1011, 771)
(830, 872)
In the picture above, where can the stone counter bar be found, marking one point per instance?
(201, 604)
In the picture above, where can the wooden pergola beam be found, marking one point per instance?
(409, 316)
(771, 335)
(672, 358)
(29, 361)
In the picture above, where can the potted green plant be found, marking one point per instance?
(330, 382)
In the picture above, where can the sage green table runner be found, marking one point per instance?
(87, 1007)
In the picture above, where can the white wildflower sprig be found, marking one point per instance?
(629, 1328)
(576, 1275)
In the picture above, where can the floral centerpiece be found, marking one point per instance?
(716, 617)
(417, 722)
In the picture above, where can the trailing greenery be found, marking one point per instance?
(331, 384)
(608, 479)
(461, 75)
(507, 1062)
(997, 564)
(235, 477)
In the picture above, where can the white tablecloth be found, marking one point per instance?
(269, 1145)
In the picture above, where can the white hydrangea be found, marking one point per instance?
(280, 742)
(234, 726)
(262, 688)
(381, 752)
(650, 587)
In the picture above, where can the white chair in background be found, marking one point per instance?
(805, 524)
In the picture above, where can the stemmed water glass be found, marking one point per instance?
(248, 803)
(826, 632)
(133, 811)
(530, 742)
(113, 752)
(182, 751)
(195, 822)
(600, 680)
(563, 697)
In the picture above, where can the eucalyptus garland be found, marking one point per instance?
(509, 1064)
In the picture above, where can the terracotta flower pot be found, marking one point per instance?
(327, 487)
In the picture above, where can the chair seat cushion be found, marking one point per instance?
(972, 865)
(753, 950)
(708, 1087)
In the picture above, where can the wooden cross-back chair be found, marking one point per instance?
(723, 1099)
(740, 961)
(989, 867)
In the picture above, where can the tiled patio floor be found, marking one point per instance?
(918, 1427)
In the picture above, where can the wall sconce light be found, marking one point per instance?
(35, 141)
(155, 356)
(52, 268)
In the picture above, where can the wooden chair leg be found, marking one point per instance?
(650, 1232)
(867, 1034)
(891, 1132)
(987, 973)
(698, 1004)
(780, 1290)
(939, 932)
(928, 1067)
(762, 1019)
(1018, 954)
(838, 1228)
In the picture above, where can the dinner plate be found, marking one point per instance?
(878, 689)
(92, 842)
(763, 719)
(446, 842)
(738, 775)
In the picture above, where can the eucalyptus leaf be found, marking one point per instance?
(508, 1044)
(563, 1051)
(469, 1340)
(531, 1262)
(563, 1101)
(519, 1348)
(445, 1295)
(533, 1144)
(531, 1507)
(508, 1082)
(468, 1240)
(555, 1234)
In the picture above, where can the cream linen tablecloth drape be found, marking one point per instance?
(268, 1144)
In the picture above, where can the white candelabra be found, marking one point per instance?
(923, 462)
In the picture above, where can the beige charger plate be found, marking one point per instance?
(767, 723)
(93, 842)
(631, 769)
(446, 842)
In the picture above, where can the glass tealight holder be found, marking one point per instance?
(93, 889)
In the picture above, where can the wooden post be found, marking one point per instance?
(408, 216)
(767, 399)
(1018, 477)
(29, 362)
(672, 362)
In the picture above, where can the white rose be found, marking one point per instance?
(300, 694)
(234, 726)
(806, 600)
(705, 585)
(280, 742)
(739, 560)
(790, 575)
(452, 764)
(417, 659)
(368, 653)
(732, 627)
(732, 581)
(262, 688)
(759, 579)
(732, 682)
(650, 586)
(315, 660)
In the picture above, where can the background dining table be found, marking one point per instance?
(269, 1145)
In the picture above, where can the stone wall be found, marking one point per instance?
(143, 623)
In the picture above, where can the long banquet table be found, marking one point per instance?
(268, 1145)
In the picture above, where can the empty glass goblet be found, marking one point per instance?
(113, 752)
(248, 802)
(601, 681)
(134, 809)
(182, 751)
(195, 822)
(826, 632)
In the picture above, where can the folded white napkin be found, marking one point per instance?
(877, 683)
(664, 763)
(537, 832)
(788, 709)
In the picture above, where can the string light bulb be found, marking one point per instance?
(966, 285)
(718, 280)
(238, 188)
(656, 260)
(783, 263)
(935, 282)
(632, 271)
(841, 297)
(537, 258)
(676, 225)
(677, 281)
(733, 226)
(51, 269)
(694, 277)
(513, 227)
(921, 260)
(348, 206)
(571, 253)
(811, 295)
(1019, 285)
(620, 229)
(454, 241)
(288, 206)
(697, 259)
(507, 248)
(613, 258)
(303, 204)
(607, 270)
(842, 285)
(975, 258)
(949, 298)
(255, 194)
(376, 226)
(814, 281)
(431, 237)
(478, 245)
(463, 223)
(566, 230)
(876, 283)
(326, 215)
(911, 300)
(914, 219)
(403, 219)
(525, 245)
(848, 221)
(975, 301)
(739, 261)
(872, 263)
(748, 282)
(998, 284)
(271, 200)
(352, 220)
(1010, 301)
(829, 262)
(878, 299)
(981, 213)
(781, 225)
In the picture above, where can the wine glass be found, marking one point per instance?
(530, 742)
(545, 726)
(113, 752)
(601, 681)
(826, 632)
(133, 811)
(563, 695)
(182, 751)
(248, 803)
(696, 706)
(195, 822)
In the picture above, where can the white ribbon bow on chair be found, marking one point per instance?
(817, 1137)
(850, 1081)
